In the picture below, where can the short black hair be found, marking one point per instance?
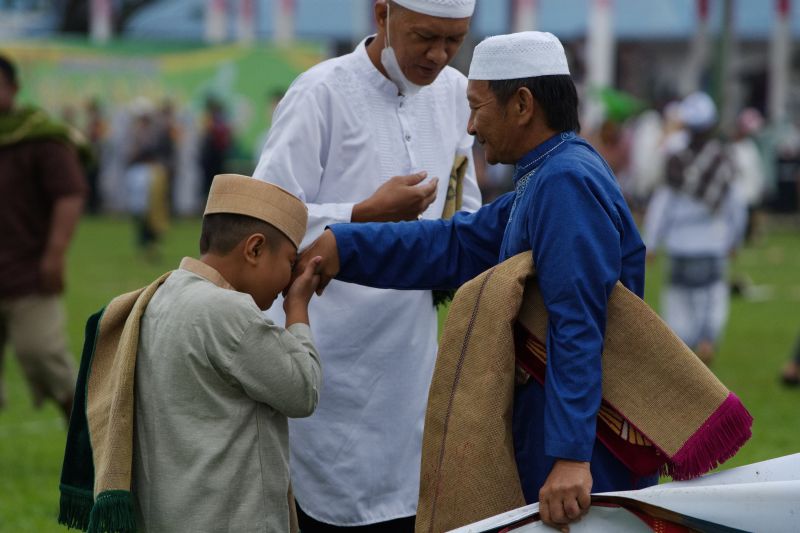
(222, 232)
(8, 69)
(555, 94)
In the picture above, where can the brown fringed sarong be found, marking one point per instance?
(662, 408)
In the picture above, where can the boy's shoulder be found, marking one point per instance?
(208, 303)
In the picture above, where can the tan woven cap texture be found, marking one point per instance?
(243, 195)
(468, 470)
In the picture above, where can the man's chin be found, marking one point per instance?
(496, 159)
(422, 77)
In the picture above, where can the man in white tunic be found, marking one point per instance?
(698, 216)
(372, 136)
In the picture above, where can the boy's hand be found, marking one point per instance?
(299, 293)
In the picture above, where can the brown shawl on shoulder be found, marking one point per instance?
(662, 408)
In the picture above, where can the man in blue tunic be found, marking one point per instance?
(568, 210)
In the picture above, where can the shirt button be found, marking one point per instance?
(408, 137)
(401, 104)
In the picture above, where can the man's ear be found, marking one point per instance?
(381, 13)
(254, 247)
(524, 106)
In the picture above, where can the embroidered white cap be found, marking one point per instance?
(698, 111)
(526, 54)
(453, 9)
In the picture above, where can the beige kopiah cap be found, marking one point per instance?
(243, 195)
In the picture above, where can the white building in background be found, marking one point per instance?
(20, 19)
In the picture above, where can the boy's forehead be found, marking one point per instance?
(287, 246)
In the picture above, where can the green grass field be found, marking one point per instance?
(103, 263)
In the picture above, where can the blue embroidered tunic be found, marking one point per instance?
(568, 210)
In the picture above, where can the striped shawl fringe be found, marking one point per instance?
(662, 411)
(98, 458)
(717, 440)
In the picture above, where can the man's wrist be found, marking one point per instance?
(54, 251)
(573, 451)
(573, 462)
(362, 212)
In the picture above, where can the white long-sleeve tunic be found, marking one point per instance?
(685, 226)
(341, 131)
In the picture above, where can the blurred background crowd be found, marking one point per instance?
(146, 85)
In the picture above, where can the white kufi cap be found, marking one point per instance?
(698, 111)
(452, 9)
(526, 54)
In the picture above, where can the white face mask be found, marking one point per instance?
(393, 70)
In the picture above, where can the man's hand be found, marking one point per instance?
(66, 212)
(51, 271)
(299, 293)
(400, 198)
(565, 496)
(327, 268)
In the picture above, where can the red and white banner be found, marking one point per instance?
(523, 15)
(779, 58)
(246, 21)
(284, 21)
(600, 53)
(697, 59)
(100, 20)
(216, 21)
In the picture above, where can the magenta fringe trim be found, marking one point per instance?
(717, 440)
